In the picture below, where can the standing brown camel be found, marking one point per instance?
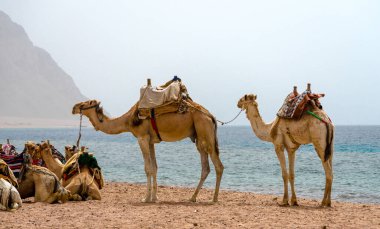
(197, 124)
(289, 134)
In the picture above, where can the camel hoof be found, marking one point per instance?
(294, 203)
(193, 199)
(146, 200)
(75, 197)
(326, 205)
(283, 204)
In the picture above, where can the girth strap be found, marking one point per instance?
(154, 123)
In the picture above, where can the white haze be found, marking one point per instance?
(220, 49)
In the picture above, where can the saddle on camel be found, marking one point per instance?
(167, 98)
(78, 161)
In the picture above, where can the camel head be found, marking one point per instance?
(31, 148)
(70, 151)
(247, 99)
(79, 107)
(39, 148)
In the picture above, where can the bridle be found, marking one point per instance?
(81, 108)
(97, 109)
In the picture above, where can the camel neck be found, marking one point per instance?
(108, 125)
(52, 163)
(259, 127)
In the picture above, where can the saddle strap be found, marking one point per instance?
(154, 123)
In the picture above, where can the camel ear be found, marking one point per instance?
(255, 97)
(245, 97)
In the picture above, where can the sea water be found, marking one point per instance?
(250, 165)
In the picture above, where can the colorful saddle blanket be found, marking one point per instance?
(295, 104)
(77, 161)
(8, 149)
(14, 162)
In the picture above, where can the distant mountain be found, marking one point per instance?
(32, 85)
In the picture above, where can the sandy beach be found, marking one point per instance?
(121, 208)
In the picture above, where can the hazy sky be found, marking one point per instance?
(220, 49)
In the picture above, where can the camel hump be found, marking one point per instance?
(152, 97)
(296, 104)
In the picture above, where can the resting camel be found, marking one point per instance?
(41, 183)
(197, 124)
(9, 197)
(289, 134)
(81, 185)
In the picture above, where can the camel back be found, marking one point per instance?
(167, 98)
(296, 104)
(78, 161)
(7, 174)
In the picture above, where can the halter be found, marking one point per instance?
(97, 108)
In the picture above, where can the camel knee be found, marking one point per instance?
(291, 176)
(205, 172)
(220, 169)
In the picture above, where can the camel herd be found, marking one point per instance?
(198, 124)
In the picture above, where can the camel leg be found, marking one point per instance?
(205, 171)
(327, 166)
(291, 157)
(52, 198)
(281, 157)
(219, 172)
(74, 188)
(93, 192)
(155, 168)
(144, 146)
(326, 202)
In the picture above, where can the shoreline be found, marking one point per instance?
(121, 207)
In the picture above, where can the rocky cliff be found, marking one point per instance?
(32, 85)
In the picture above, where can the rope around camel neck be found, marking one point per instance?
(223, 123)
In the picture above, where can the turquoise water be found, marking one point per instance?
(250, 164)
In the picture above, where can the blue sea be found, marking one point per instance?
(250, 164)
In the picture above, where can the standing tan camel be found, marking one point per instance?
(197, 124)
(81, 185)
(289, 134)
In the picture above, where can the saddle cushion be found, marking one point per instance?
(153, 97)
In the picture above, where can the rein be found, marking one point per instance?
(223, 123)
(80, 129)
(96, 106)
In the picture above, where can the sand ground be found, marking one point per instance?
(121, 208)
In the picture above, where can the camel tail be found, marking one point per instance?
(216, 135)
(329, 141)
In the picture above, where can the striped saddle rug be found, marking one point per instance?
(14, 162)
